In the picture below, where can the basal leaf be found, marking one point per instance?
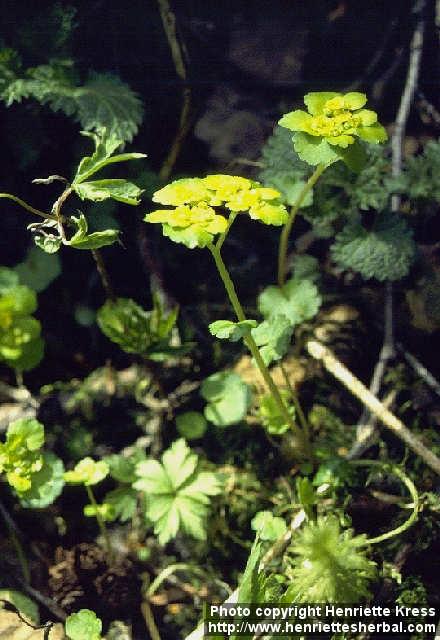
(83, 625)
(273, 336)
(47, 484)
(228, 398)
(298, 300)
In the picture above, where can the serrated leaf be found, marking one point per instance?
(46, 484)
(385, 252)
(123, 502)
(298, 300)
(122, 468)
(83, 240)
(48, 243)
(228, 398)
(117, 189)
(268, 526)
(177, 495)
(233, 331)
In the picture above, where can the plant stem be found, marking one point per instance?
(103, 274)
(149, 621)
(285, 233)
(253, 348)
(296, 402)
(101, 522)
(28, 207)
(408, 484)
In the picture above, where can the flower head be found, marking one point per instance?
(87, 472)
(194, 222)
(332, 124)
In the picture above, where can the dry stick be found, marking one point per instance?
(177, 52)
(353, 384)
(420, 369)
(276, 550)
(367, 422)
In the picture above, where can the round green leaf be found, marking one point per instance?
(191, 424)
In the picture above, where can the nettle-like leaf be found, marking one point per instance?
(273, 336)
(122, 503)
(233, 331)
(176, 492)
(421, 175)
(228, 397)
(135, 330)
(298, 300)
(84, 240)
(385, 252)
(102, 101)
(20, 456)
(83, 625)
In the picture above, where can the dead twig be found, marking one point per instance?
(355, 386)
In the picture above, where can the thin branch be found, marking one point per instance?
(355, 386)
(177, 52)
(28, 207)
(103, 274)
(420, 369)
(387, 353)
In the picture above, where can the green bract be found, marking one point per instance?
(83, 625)
(194, 222)
(87, 472)
(20, 456)
(177, 494)
(329, 130)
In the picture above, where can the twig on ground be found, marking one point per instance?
(353, 384)
(387, 353)
(420, 369)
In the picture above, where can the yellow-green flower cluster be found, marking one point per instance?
(194, 222)
(87, 472)
(333, 119)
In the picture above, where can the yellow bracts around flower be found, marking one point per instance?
(333, 123)
(87, 472)
(194, 222)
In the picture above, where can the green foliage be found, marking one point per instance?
(102, 101)
(20, 455)
(328, 565)
(298, 300)
(21, 346)
(191, 425)
(121, 503)
(228, 398)
(283, 170)
(83, 625)
(420, 178)
(177, 493)
(273, 336)
(83, 240)
(385, 252)
(268, 526)
(271, 418)
(38, 269)
(46, 483)
(87, 472)
(135, 330)
(233, 331)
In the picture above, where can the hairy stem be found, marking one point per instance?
(103, 274)
(285, 233)
(253, 348)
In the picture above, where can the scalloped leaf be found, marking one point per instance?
(233, 331)
(228, 397)
(298, 300)
(386, 252)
